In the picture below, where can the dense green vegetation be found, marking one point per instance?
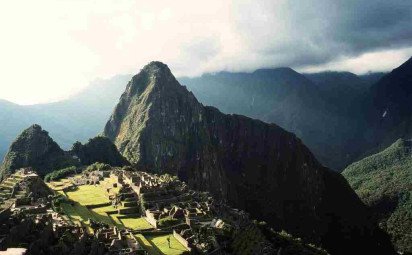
(251, 240)
(61, 173)
(383, 181)
(35, 148)
(97, 167)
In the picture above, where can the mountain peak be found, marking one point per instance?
(153, 88)
(156, 68)
(154, 74)
(35, 128)
(159, 126)
(35, 148)
(156, 64)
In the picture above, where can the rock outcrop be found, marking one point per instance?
(98, 149)
(159, 126)
(34, 148)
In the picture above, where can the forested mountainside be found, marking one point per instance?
(159, 126)
(75, 119)
(36, 149)
(384, 182)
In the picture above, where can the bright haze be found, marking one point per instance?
(50, 49)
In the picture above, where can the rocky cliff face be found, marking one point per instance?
(159, 126)
(34, 148)
(390, 112)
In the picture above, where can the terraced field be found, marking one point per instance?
(135, 223)
(6, 187)
(161, 243)
(92, 202)
(89, 195)
(158, 244)
(79, 213)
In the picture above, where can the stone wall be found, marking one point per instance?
(181, 240)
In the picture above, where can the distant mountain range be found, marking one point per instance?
(323, 109)
(78, 118)
(335, 113)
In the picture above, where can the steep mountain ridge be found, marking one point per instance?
(159, 126)
(293, 101)
(390, 111)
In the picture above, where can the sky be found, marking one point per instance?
(51, 49)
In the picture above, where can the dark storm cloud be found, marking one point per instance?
(309, 32)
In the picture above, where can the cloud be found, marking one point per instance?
(52, 48)
(308, 32)
(378, 61)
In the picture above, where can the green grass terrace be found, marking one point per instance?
(158, 244)
(92, 202)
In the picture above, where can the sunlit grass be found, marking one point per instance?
(88, 195)
(136, 223)
(82, 213)
(147, 245)
(161, 243)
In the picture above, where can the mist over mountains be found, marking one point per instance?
(319, 108)
(75, 119)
